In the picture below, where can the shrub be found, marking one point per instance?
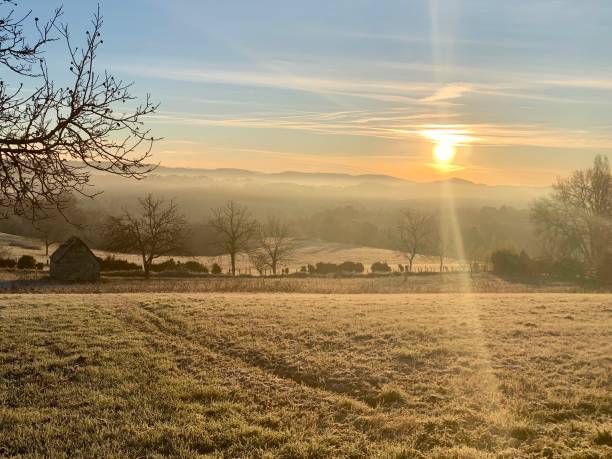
(311, 269)
(40, 266)
(7, 263)
(509, 263)
(168, 265)
(390, 394)
(380, 267)
(326, 268)
(216, 269)
(350, 267)
(568, 268)
(195, 267)
(603, 437)
(604, 269)
(26, 262)
(110, 263)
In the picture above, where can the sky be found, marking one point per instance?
(520, 90)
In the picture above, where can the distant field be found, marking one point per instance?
(21, 281)
(308, 252)
(276, 375)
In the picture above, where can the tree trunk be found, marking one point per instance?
(145, 267)
(47, 243)
(233, 262)
(274, 268)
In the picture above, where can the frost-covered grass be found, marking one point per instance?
(290, 375)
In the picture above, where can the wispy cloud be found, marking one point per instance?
(403, 126)
(448, 92)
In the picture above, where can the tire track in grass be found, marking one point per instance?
(332, 412)
(177, 328)
(379, 423)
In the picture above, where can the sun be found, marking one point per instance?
(444, 152)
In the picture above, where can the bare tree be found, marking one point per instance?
(258, 260)
(440, 239)
(577, 217)
(275, 245)
(236, 229)
(52, 137)
(157, 230)
(414, 232)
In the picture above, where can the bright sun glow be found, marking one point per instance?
(444, 152)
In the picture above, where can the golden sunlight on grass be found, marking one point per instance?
(305, 376)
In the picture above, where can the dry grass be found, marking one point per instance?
(275, 375)
(33, 282)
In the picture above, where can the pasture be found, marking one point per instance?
(306, 375)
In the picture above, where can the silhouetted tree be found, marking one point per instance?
(414, 232)
(275, 245)
(236, 229)
(576, 220)
(51, 136)
(156, 230)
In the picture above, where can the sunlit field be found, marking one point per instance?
(243, 375)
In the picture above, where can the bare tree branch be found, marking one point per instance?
(54, 137)
(275, 245)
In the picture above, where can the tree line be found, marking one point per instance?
(157, 229)
(574, 228)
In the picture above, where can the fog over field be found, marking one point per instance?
(298, 193)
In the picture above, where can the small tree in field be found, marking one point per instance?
(236, 229)
(414, 232)
(156, 230)
(275, 245)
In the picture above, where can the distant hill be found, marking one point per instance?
(307, 190)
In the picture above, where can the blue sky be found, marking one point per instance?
(522, 89)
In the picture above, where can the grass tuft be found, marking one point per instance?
(603, 437)
(390, 394)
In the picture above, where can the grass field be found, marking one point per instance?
(22, 281)
(290, 375)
